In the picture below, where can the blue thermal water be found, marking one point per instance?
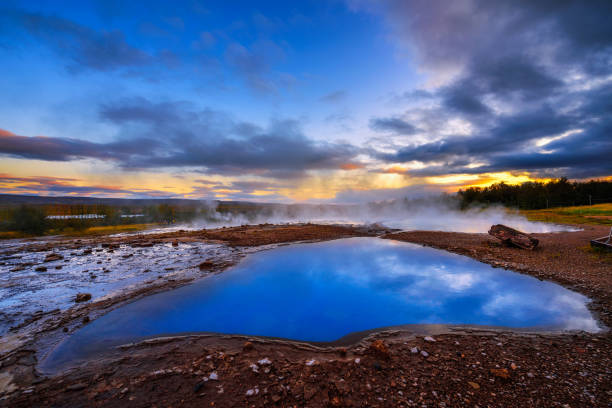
(324, 291)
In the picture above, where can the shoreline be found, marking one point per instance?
(59, 387)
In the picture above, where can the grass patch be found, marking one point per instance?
(12, 235)
(599, 214)
(97, 230)
(599, 254)
(108, 229)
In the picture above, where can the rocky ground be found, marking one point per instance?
(433, 366)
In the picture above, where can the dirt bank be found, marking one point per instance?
(462, 367)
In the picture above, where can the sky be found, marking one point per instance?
(313, 100)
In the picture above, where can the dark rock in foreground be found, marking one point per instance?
(82, 297)
(510, 236)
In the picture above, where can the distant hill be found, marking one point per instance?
(14, 199)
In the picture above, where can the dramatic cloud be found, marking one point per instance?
(158, 135)
(65, 149)
(528, 82)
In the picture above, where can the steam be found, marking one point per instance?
(434, 213)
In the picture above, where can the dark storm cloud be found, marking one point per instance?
(85, 47)
(506, 77)
(156, 135)
(393, 125)
(524, 73)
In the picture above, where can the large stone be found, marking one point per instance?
(510, 236)
(82, 297)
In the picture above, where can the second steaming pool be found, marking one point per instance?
(323, 291)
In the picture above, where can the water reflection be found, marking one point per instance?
(323, 291)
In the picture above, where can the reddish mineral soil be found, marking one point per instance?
(436, 366)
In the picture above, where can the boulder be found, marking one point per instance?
(510, 236)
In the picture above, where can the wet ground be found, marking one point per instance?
(36, 283)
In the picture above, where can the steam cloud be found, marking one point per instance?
(441, 213)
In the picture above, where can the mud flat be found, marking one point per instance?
(437, 365)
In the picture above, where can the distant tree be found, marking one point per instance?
(31, 220)
(166, 213)
(536, 195)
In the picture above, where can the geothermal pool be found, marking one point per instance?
(321, 292)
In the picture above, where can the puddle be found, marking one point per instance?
(27, 292)
(321, 292)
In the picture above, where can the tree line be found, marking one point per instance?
(535, 195)
(41, 219)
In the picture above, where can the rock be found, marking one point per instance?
(510, 236)
(309, 391)
(53, 257)
(424, 353)
(213, 376)
(513, 366)
(252, 391)
(500, 373)
(6, 383)
(414, 350)
(198, 386)
(430, 339)
(76, 387)
(474, 385)
(206, 265)
(247, 346)
(86, 320)
(41, 269)
(311, 362)
(265, 361)
(175, 243)
(380, 348)
(82, 297)
(276, 398)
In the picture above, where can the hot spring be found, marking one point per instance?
(322, 292)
